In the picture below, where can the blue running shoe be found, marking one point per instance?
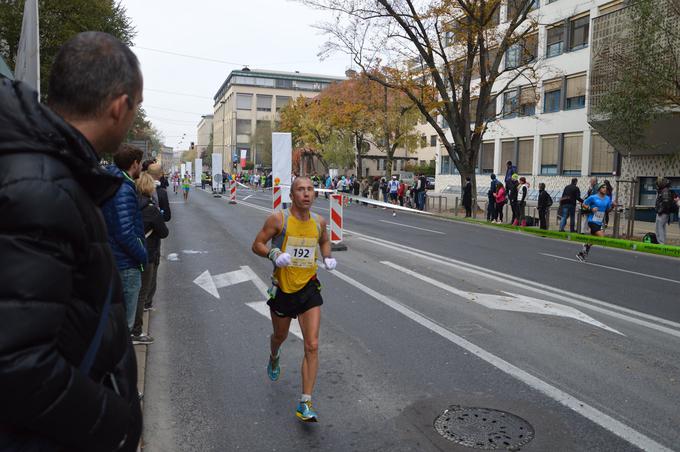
(305, 412)
(273, 367)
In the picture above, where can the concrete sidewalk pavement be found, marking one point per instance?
(141, 351)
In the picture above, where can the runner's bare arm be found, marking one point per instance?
(324, 240)
(272, 227)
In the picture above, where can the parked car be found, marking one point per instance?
(430, 183)
(406, 177)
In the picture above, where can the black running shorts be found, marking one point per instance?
(594, 227)
(293, 304)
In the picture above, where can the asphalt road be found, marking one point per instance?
(421, 314)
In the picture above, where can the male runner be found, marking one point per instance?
(296, 291)
(598, 204)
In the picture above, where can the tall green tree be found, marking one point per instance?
(59, 21)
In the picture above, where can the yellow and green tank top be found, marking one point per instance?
(300, 239)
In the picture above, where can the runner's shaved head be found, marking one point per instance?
(300, 178)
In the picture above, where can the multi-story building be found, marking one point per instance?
(204, 133)
(247, 98)
(542, 126)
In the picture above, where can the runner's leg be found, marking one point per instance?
(280, 326)
(309, 324)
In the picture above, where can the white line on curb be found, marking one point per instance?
(611, 268)
(596, 416)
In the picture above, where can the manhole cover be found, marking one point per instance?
(483, 428)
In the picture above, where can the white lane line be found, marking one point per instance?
(559, 294)
(593, 414)
(413, 227)
(612, 268)
(619, 312)
(505, 301)
(247, 197)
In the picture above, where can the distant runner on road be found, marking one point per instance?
(296, 290)
(597, 204)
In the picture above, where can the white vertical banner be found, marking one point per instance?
(182, 170)
(198, 169)
(189, 169)
(28, 54)
(217, 171)
(282, 162)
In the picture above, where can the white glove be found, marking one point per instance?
(283, 260)
(330, 263)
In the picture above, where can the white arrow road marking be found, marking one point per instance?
(262, 308)
(173, 257)
(579, 406)
(509, 301)
(211, 283)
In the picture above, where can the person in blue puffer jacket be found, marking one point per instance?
(125, 226)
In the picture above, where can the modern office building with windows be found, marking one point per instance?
(542, 124)
(248, 99)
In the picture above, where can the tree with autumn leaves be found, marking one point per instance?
(341, 124)
(445, 56)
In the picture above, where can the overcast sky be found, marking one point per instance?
(264, 34)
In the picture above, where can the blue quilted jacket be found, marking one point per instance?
(124, 222)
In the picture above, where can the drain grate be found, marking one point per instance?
(483, 428)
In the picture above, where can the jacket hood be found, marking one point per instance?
(27, 125)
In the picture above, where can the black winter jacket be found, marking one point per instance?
(154, 227)
(56, 270)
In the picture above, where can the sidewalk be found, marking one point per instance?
(639, 230)
(141, 352)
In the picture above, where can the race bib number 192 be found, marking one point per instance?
(302, 251)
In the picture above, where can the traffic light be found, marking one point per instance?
(192, 146)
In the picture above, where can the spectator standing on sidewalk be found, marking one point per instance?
(522, 193)
(544, 203)
(422, 187)
(401, 192)
(510, 170)
(154, 230)
(664, 207)
(126, 230)
(375, 190)
(59, 285)
(467, 197)
(570, 196)
(501, 200)
(491, 205)
(513, 186)
(160, 194)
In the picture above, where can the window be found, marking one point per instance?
(487, 151)
(507, 152)
(423, 141)
(514, 11)
(579, 29)
(571, 156)
(610, 7)
(525, 156)
(522, 52)
(445, 165)
(264, 103)
(284, 84)
(243, 127)
(244, 101)
(433, 140)
(555, 41)
(601, 156)
(281, 102)
(549, 155)
(552, 90)
(510, 100)
(527, 101)
(576, 92)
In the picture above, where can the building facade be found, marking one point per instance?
(542, 125)
(204, 133)
(248, 99)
